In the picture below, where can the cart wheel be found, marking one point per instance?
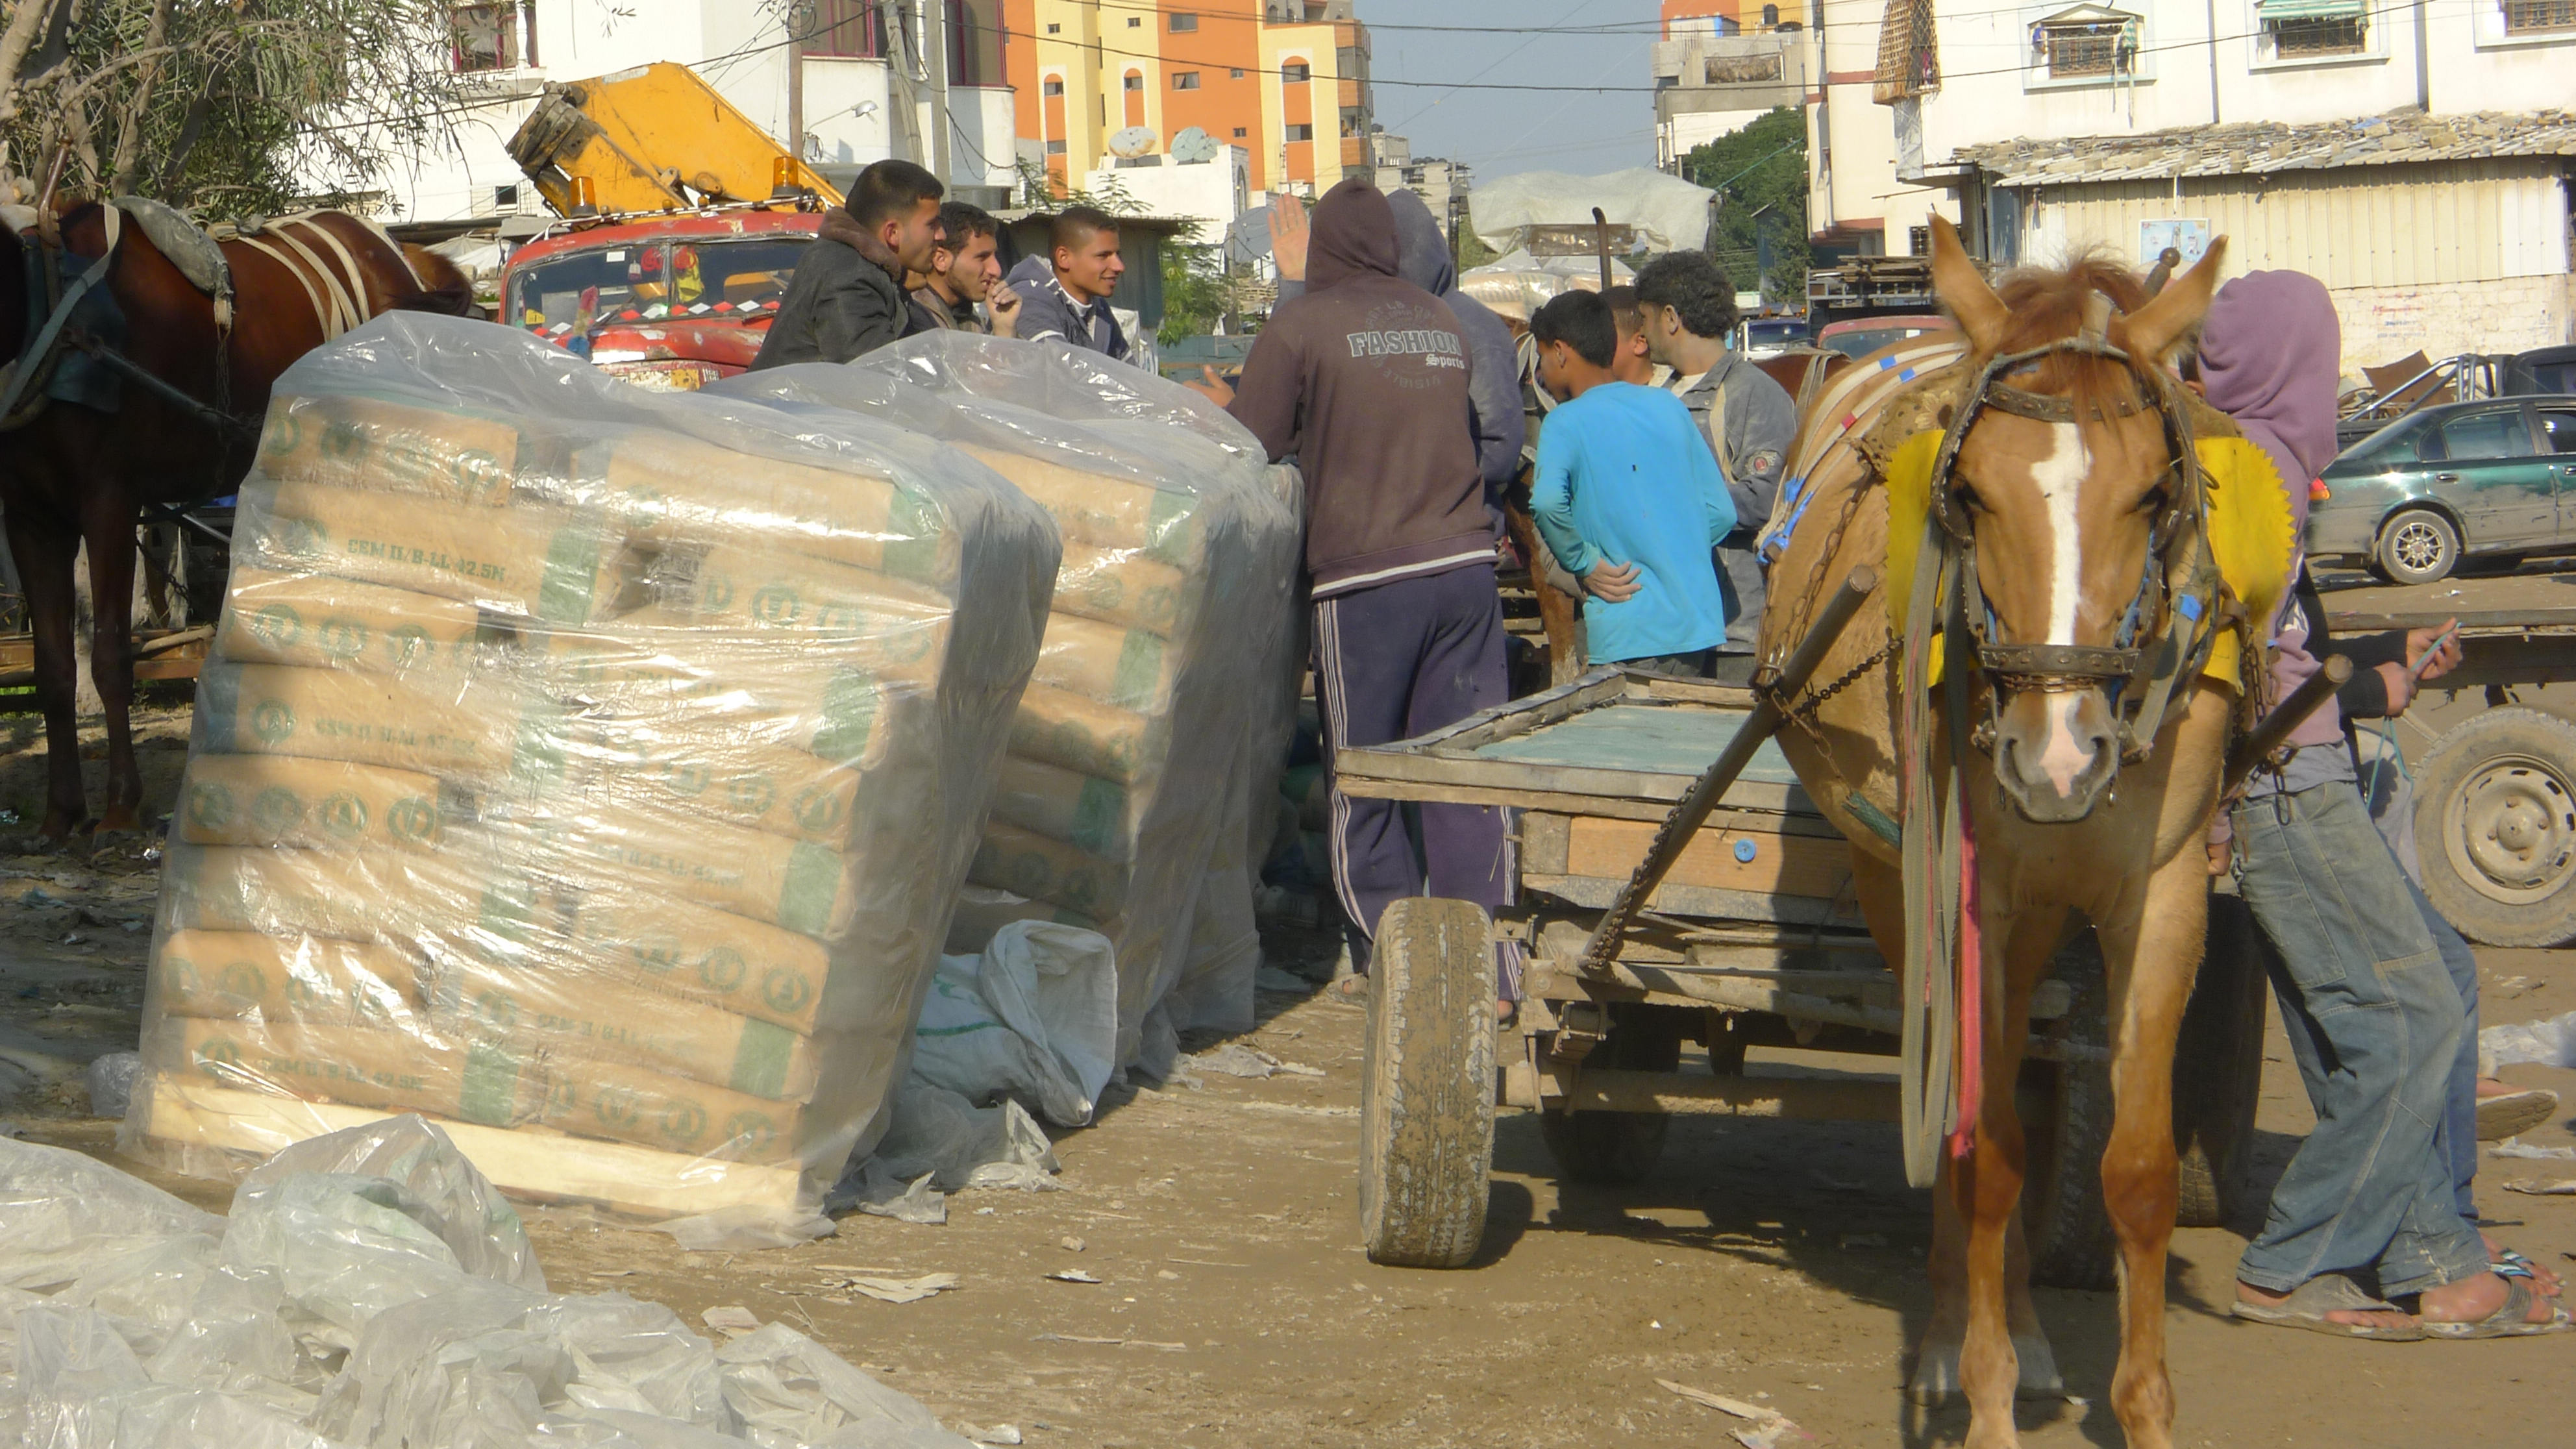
(1614, 1149)
(1427, 1103)
(2218, 1068)
(2066, 1115)
(2495, 827)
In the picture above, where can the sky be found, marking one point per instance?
(1500, 132)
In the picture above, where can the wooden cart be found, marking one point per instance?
(1751, 939)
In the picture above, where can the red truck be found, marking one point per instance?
(672, 300)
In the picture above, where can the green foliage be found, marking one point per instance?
(1194, 291)
(1761, 171)
(229, 108)
(1472, 251)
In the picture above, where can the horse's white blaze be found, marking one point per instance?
(2060, 477)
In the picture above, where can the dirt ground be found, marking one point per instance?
(1780, 1262)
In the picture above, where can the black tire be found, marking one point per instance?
(2218, 1069)
(2495, 827)
(2417, 546)
(1614, 1149)
(2066, 1117)
(1427, 1100)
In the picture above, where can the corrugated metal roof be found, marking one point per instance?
(2256, 148)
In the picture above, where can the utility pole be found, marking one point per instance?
(799, 20)
(934, 61)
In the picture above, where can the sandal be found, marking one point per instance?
(2514, 1113)
(2308, 1305)
(1352, 989)
(2510, 1321)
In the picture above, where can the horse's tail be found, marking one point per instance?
(444, 287)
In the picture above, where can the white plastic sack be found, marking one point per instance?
(1036, 1014)
(1670, 211)
(962, 1145)
(2551, 1043)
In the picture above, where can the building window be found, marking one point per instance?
(1235, 74)
(1349, 62)
(1294, 72)
(1770, 17)
(1301, 132)
(1055, 148)
(1918, 241)
(1135, 82)
(505, 198)
(1051, 86)
(2522, 17)
(2296, 29)
(490, 37)
(1239, 133)
(846, 28)
(1354, 121)
(1054, 29)
(1185, 80)
(1135, 22)
(2088, 43)
(1184, 24)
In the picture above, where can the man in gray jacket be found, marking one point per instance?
(847, 296)
(1748, 421)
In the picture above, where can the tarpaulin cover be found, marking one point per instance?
(1670, 211)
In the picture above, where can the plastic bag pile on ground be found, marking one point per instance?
(592, 768)
(1164, 647)
(370, 1289)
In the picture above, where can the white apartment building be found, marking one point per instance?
(511, 50)
(1709, 85)
(2415, 156)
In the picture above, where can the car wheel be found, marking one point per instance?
(2418, 546)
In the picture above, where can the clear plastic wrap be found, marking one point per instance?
(371, 1290)
(1180, 555)
(592, 769)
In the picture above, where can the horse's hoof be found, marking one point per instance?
(2039, 1376)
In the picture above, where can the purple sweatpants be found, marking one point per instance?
(1391, 662)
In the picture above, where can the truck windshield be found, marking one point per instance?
(557, 292)
(733, 276)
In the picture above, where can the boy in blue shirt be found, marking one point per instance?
(1628, 499)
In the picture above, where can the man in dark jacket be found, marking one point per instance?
(847, 296)
(963, 274)
(1364, 381)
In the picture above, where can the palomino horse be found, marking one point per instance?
(2071, 507)
(74, 474)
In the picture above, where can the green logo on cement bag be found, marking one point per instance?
(242, 981)
(413, 818)
(301, 539)
(407, 645)
(276, 626)
(683, 1122)
(210, 806)
(751, 794)
(273, 722)
(749, 1131)
(342, 637)
(276, 810)
(344, 442)
(723, 969)
(818, 809)
(344, 814)
(785, 992)
(775, 604)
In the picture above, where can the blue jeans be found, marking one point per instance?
(2376, 1025)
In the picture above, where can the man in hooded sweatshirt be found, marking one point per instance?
(2371, 1007)
(1422, 258)
(1364, 381)
(847, 297)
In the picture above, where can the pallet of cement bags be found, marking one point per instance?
(1169, 634)
(592, 770)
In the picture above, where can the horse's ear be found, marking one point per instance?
(2153, 329)
(1982, 314)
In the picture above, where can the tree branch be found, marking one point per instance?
(131, 114)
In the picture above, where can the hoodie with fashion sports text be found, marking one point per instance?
(1364, 380)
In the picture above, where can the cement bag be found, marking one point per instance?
(1158, 655)
(591, 770)
(1036, 1014)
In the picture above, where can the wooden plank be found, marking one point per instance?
(1520, 716)
(1666, 985)
(1368, 772)
(535, 1165)
(1692, 691)
(1563, 804)
(1700, 902)
(1781, 865)
(1543, 843)
(1798, 1098)
(2472, 621)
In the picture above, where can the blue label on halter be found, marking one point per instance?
(2189, 607)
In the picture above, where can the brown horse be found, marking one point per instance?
(75, 475)
(2060, 484)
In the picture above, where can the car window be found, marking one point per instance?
(2486, 435)
(2393, 444)
(588, 288)
(2558, 425)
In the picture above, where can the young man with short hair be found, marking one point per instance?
(1066, 292)
(1635, 363)
(847, 297)
(1748, 421)
(1625, 495)
(964, 272)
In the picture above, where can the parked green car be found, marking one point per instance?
(2493, 479)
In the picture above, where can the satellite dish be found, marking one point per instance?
(1248, 240)
(1133, 142)
(1193, 146)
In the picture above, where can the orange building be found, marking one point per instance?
(1286, 80)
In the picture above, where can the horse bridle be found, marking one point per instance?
(2151, 666)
